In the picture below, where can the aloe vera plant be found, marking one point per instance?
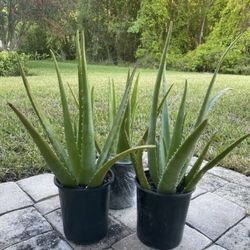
(169, 161)
(126, 128)
(77, 164)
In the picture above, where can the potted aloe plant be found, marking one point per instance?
(164, 192)
(83, 181)
(123, 188)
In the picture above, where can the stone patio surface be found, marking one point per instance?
(30, 217)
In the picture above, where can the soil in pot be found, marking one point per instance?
(161, 218)
(85, 211)
(122, 194)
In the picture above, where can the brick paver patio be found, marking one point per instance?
(30, 216)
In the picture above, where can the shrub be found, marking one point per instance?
(8, 63)
(40, 40)
(203, 59)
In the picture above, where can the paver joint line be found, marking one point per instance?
(190, 225)
(230, 228)
(207, 191)
(18, 242)
(25, 192)
(17, 209)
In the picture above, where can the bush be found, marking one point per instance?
(9, 65)
(39, 41)
(206, 56)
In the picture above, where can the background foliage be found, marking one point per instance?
(8, 63)
(121, 31)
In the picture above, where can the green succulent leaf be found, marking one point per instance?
(86, 135)
(169, 180)
(68, 128)
(136, 158)
(152, 156)
(195, 168)
(73, 95)
(165, 129)
(193, 182)
(204, 108)
(112, 103)
(51, 159)
(53, 138)
(159, 109)
(117, 122)
(133, 104)
(212, 102)
(179, 124)
(100, 174)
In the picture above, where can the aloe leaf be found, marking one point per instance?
(195, 168)
(152, 158)
(75, 126)
(100, 174)
(165, 126)
(139, 170)
(86, 137)
(117, 122)
(214, 100)
(133, 105)
(73, 95)
(163, 155)
(136, 158)
(204, 107)
(159, 109)
(190, 186)
(112, 112)
(179, 124)
(98, 148)
(92, 98)
(169, 180)
(164, 130)
(68, 128)
(207, 102)
(53, 138)
(162, 102)
(51, 159)
(112, 103)
(124, 129)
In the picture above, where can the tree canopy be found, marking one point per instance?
(131, 30)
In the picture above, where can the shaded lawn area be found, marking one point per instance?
(19, 156)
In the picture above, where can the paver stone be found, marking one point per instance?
(213, 215)
(191, 240)
(39, 187)
(48, 205)
(21, 225)
(12, 197)
(237, 237)
(116, 232)
(50, 241)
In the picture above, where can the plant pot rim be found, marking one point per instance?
(124, 162)
(82, 189)
(162, 194)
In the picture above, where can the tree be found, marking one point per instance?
(107, 26)
(13, 23)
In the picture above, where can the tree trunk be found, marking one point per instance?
(202, 29)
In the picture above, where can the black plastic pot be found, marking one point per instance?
(85, 212)
(122, 194)
(161, 218)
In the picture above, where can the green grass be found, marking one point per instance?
(19, 156)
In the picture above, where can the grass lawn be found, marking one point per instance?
(19, 156)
